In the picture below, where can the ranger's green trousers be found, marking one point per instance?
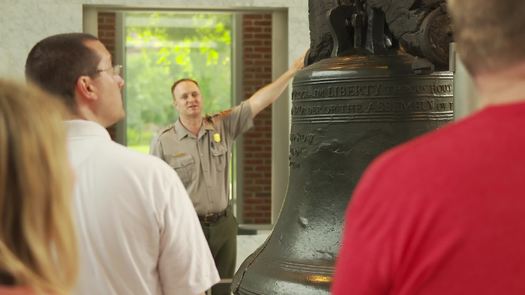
(222, 239)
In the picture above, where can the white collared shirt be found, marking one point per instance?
(138, 231)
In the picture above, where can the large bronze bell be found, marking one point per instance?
(346, 110)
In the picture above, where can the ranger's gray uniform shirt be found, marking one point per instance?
(202, 161)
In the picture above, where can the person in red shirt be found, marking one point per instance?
(444, 213)
(38, 250)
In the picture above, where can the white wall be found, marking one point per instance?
(25, 22)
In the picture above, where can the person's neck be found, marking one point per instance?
(502, 87)
(88, 117)
(192, 124)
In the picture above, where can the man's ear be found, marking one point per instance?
(85, 88)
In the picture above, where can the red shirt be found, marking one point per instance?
(4, 290)
(443, 214)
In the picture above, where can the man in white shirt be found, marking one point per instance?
(137, 228)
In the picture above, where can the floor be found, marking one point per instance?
(247, 244)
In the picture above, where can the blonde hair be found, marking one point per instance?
(37, 238)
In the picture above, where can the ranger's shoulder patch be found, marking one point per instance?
(215, 118)
(225, 113)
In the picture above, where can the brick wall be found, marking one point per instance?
(106, 30)
(257, 56)
(257, 61)
(106, 35)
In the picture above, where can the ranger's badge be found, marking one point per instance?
(217, 137)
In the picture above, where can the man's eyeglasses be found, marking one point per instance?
(114, 70)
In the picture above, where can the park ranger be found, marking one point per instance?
(199, 148)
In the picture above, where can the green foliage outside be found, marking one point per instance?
(164, 47)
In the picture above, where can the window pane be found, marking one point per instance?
(164, 47)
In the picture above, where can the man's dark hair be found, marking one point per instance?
(56, 62)
(182, 80)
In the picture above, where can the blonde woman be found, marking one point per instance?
(37, 241)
